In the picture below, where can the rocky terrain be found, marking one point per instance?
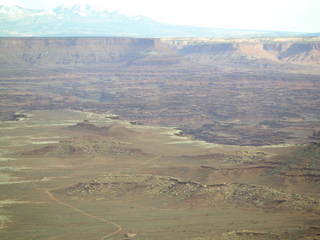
(142, 186)
(97, 176)
(128, 138)
(240, 91)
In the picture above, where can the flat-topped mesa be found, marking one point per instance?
(73, 50)
(70, 51)
(293, 52)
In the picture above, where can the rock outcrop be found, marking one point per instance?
(129, 186)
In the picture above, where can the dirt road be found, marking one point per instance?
(100, 219)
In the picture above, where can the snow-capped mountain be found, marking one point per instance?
(85, 20)
(83, 10)
(16, 12)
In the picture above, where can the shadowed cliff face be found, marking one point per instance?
(70, 51)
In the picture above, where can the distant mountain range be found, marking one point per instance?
(85, 20)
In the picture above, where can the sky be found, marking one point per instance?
(284, 15)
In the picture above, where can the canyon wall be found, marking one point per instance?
(292, 52)
(65, 51)
(73, 50)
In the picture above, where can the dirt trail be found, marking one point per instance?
(119, 227)
(150, 160)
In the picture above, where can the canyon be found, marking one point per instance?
(230, 91)
(159, 138)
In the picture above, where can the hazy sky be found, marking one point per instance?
(290, 15)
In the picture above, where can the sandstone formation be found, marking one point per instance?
(99, 50)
